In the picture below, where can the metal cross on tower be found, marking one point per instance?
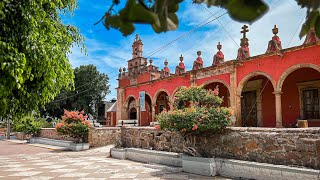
(244, 30)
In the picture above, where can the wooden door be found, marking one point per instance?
(249, 109)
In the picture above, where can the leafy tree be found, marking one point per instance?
(91, 87)
(34, 48)
(161, 14)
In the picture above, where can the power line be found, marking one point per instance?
(220, 25)
(77, 93)
(183, 35)
(201, 23)
(206, 39)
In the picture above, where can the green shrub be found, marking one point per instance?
(28, 125)
(195, 111)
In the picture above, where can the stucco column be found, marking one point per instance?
(278, 109)
(238, 110)
(138, 115)
(233, 94)
(153, 107)
(121, 111)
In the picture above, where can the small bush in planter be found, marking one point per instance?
(28, 126)
(195, 112)
(73, 124)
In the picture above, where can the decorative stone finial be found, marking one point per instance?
(145, 62)
(274, 44)
(166, 63)
(243, 51)
(219, 46)
(244, 30)
(311, 37)
(180, 69)
(198, 63)
(199, 53)
(150, 61)
(275, 30)
(124, 69)
(120, 70)
(218, 58)
(181, 58)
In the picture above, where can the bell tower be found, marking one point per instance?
(137, 47)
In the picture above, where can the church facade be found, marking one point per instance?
(274, 89)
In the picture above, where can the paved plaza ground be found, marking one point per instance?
(25, 161)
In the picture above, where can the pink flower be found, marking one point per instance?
(82, 112)
(216, 92)
(195, 127)
(158, 128)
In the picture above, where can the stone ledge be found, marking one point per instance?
(60, 143)
(225, 167)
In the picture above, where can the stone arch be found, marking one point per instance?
(216, 81)
(174, 92)
(128, 99)
(157, 94)
(224, 90)
(291, 69)
(251, 75)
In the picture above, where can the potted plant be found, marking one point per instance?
(196, 112)
(74, 125)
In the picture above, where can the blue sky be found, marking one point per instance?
(109, 50)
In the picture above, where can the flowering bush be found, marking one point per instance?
(195, 111)
(74, 125)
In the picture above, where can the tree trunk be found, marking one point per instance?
(8, 128)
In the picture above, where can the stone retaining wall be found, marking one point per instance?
(97, 136)
(103, 136)
(297, 147)
(51, 133)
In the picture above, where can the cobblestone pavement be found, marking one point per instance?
(90, 165)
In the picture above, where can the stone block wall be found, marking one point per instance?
(97, 136)
(296, 147)
(103, 136)
(51, 133)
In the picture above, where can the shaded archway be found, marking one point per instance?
(146, 115)
(224, 90)
(300, 88)
(257, 100)
(132, 108)
(162, 102)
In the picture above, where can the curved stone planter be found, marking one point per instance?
(79, 146)
(199, 165)
(118, 153)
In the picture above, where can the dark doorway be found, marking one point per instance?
(133, 113)
(249, 109)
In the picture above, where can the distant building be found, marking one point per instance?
(112, 115)
(102, 111)
(273, 89)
